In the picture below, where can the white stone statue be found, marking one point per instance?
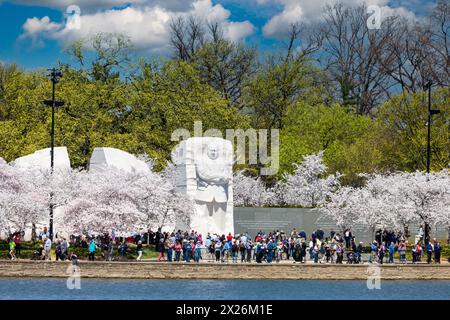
(103, 158)
(41, 160)
(204, 173)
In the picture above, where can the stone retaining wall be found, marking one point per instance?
(154, 270)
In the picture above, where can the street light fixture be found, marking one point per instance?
(431, 112)
(55, 75)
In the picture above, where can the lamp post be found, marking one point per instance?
(431, 112)
(55, 75)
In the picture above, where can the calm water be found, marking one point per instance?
(95, 289)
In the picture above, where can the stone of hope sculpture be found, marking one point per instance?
(205, 173)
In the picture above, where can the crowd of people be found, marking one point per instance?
(275, 246)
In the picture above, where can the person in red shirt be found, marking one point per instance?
(177, 250)
(229, 237)
(18, 241)
(419, 251)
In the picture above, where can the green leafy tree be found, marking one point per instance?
(402, 121)
(310, 129)
(282, 81)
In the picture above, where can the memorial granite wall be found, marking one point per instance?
(252, 219)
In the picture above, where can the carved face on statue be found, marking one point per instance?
(213, 151)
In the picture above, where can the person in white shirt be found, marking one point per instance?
(311, 247)
(47, 248)
(421, 233)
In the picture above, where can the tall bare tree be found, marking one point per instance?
(225, 65)
(419, 50)
(222, 63)
(187, 36)
(411, 63)
(440, 42)
(351, 53)
(284, 78)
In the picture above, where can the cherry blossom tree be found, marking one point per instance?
(104, 201)
(381, 206)
(125, 202)
(427, 196)
(249, 191)
(342, 207)
(393, 201)
(307, 186)
(159, 200)
(22, 202)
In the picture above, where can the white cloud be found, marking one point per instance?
(36, 28)
(204, 9)
(307, 11)
(147, 26)
(233, 30)
(279, 24)
(95, 5)
(236, 31)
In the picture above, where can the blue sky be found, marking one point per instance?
(34, 32)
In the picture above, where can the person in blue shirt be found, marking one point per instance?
(226, 251)
(314, 236)
(302, 234)
(320, 234)
(270, 248)
(437, 252)
(373, 252)
(359, 251)
(92, 248)
(429, 249)
(259, 252)
(198, 252)
(391, 249)
(189, 250)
